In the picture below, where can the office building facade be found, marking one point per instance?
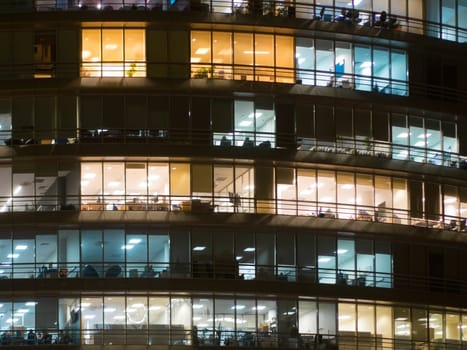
(275, 174)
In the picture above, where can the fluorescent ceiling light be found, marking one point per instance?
(202, 51)
(21, 247)
(13, 256)
(199, 248)
(246, 123)
(89, 176)
(238, 307)
(198, 306)
(110, 309)
(342, 251)
(255, 115)
(127, 246)
(134, 241)
(110, 46)
(249, 249)
(403, 135)
(366, 64)
(324, 259)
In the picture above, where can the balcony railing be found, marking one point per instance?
(218, 204)
(176, 336)
(297, 9)
(259, 141)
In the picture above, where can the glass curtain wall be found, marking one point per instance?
(242, 56)
(113, 53)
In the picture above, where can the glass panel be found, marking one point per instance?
(112, 53)
(22, 258)
(200, 54)
(436, 327)
(92, 321)
(246, 324)
(346, 261)
(114, 255)
(307, 320)
(306, 257)
(158, 186)
(285, 257)
(462, 17)
(402, 328)
(399, 136)
(365, 263)
(135, 53)
(419, 325)
(203, 321)
(244, 123)
(136, 314)
(284, 59)
(46, 252)
(381, 70)
(265, 123)
(448, 18)
(136, 250)
(343, 65)
(91, 53)
(91, 253)
(345, 196)
(91, 186)
(305, 60)
(453, 327)
(179, 182)
(384, 326)
(326, 322)
(326, 260)
(243, 56)
(383, 199)
(245, 255)
(399, 73)
(136, 186)
(326, 194)
(306, 191)
(325, 63)
(417, 139)
(114, 320)
(222, 55)
(226, 200)
(244, 187)
(159, 321)
(114, 186)
(181, 318)
(264, 57)
(383, 265)
(366, 323)
(159, 255)
(363, 67)
(365, 197)
(224, 317)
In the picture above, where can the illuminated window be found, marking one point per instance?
(113, 53)
(262, 57)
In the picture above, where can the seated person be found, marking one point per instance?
(248, 142)
(225, 141)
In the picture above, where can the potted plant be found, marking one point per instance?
(132, 70)
(203, 72)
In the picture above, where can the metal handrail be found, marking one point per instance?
(236, 270)
(297, 9)
(261, 140)
(218, 204)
